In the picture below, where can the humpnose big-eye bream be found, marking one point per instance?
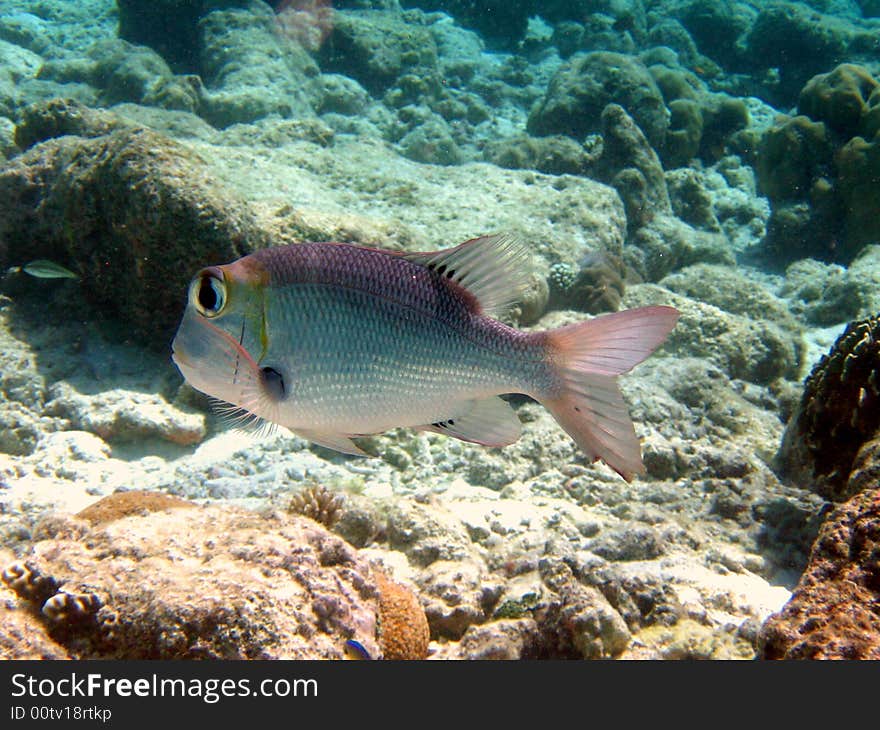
(335, 341)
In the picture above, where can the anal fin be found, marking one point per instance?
(336, 441)
(489, 422)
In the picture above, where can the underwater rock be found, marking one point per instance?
(833, 613)
(793, 153)
(728, 289)
(62, 117)
(578, 619)
(426, 535)
(799, 41)
(125, 416)
(632, 167)
(341, 95)
(841, 99)
(826, 294)
(133, 213)
(456, 595)
(819, 171)
(375, 47)
(716, 26)
(720, 199)
(689, 640)
(701, 123)
(124, 72)
(431, 142)
(19, 68)
(8, 148)
(630, 541)
(587, 83)
(690, 200)
(250, 69)
(666, 243)
(758, 351)
(858, 165)
(839, 411)
(207, 582)
(554, 155)
(19, 430)
(505, 639)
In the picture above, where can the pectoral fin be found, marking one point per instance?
(489, 422)
(336, 441)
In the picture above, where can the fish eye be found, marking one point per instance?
(208, 293)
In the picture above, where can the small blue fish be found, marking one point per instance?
(354, 650)
(45, 269)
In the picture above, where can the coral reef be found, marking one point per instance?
(833, 613)
(624, 141)
(839, 411)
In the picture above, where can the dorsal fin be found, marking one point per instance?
(495, 269)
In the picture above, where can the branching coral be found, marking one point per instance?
(321, 504)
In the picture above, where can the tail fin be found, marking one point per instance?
(588, 356)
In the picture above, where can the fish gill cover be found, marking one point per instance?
(718, 158)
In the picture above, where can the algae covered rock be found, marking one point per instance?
(632, 167)
(799, 41)
(839, 98)
(130, 211)
(793, 154)
(375, 47)
(586, 84)
(666, 243)
(554, 155)
(819, 178)
(839, 411)
(251, 70)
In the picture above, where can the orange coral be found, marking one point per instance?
(403, 626)
(123, 504)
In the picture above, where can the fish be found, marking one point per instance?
(45, 269)
(353, 649)
(334, 341)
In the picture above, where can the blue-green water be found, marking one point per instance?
(722, 158)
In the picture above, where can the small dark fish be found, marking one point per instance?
(45, 269)
(354, 650)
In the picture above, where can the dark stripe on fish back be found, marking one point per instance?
(380, 273)
(391, 277)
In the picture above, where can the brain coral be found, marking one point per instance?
(839, 411)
